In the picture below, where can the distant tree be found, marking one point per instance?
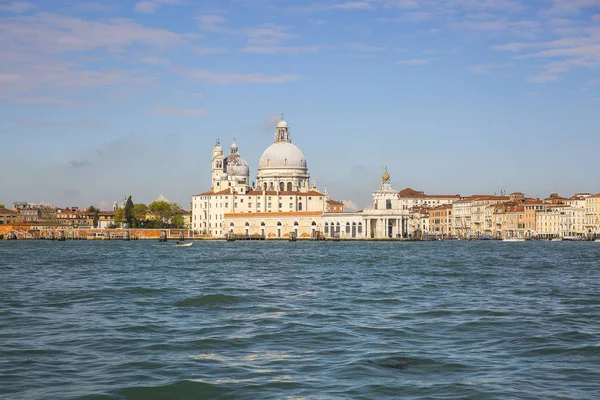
(2, 205)
(163, 211)
(128, 210)
(178, 221)
(139, 214)
(96, 213)
(120, 217)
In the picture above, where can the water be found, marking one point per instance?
(279, 320)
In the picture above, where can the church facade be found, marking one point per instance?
(283, 201)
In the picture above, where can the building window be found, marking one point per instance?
(326, 227)
(289, 186)
(249, 205)
(281, 186)
(299, 206)
(280, 205)
(268, 205)
(347, 227)
(388, 204)
(360, 227)
(291, 205)
(257, 205)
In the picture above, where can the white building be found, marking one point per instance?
(282, 201)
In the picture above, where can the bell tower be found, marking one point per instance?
(217, 167)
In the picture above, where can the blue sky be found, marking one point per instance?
(100, 100)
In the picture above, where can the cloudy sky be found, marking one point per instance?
(101, 100)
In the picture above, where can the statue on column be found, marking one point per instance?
(385, 178)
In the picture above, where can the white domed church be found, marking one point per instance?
(283, 201)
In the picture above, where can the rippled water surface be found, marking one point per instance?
(276, 320)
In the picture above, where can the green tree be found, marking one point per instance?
(2, 205)
(96, 214)
(163, 211)
(120, 217)
(178, 221)
(128, 210)
(139, 214)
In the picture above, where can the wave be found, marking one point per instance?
(208, 300)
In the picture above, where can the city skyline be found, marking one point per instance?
(105, 100)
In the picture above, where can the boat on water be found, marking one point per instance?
(513, 240)
(188, 244)
(556, 239)
(597, 241)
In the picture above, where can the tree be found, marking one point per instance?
(178, 221)
(120, 217)
(96, 213)
(2, 205)
(139, 213)
(163, 211)
(128, 210)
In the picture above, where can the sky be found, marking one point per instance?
(102, 100)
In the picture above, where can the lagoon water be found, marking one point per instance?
(281, 320)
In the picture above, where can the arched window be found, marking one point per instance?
(231, 224)
(296, 223)
(265, 185)
(247, 224)
(347, 227)
(278, 223)
(299, 206)
(281, 186)
(289, 186)
(360, 227)
(337, 228)
(262, 224)
(327, 227)
(314, 223)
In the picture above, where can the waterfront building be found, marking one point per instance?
(282, 201)
(410, 198)
(440, 221)
(387, 218)
(592, 214)
(8, 217)
(549, 221)
(482, 210)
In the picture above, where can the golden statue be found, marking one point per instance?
(385, 178)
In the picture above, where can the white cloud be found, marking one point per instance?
(484, 69)
(209, 50)
(349, 205)
(17, 7)
(222, 78)
(149, 6)
(415, 61)
(178, 112)
(162, 197)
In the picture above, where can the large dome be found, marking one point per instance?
(282, 155)
(236, 165)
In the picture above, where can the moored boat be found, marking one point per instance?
(188, 244)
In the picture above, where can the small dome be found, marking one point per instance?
(236, 165)
(282, 155)
(282, 124)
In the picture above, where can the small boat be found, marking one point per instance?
(513, 240)
(188, 244)
(556, 239)
(597, 241)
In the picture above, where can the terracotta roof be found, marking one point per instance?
(595, 195)
(334, 202)
(411, 193)
(6, 211)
